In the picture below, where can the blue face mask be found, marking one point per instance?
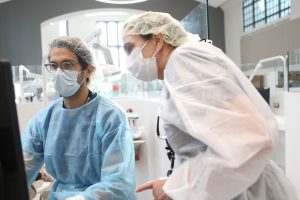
(65, 82)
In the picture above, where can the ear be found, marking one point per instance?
(159, 39)
(89, 70)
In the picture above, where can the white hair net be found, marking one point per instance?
(154, 23)
(77, 46)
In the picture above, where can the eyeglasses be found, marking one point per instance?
(52, 67)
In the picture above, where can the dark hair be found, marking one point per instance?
(147, 37)
(83, 64)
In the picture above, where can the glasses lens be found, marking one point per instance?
(66, 66)
(51, 67)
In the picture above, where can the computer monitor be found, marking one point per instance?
(13, 184)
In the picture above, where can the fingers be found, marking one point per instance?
(145, 186)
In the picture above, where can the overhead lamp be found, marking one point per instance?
(121, 1)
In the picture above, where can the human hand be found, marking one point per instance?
(156, 186)
(46, 177)
(32, 192)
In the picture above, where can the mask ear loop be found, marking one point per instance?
(155, 53)
(82, 79)
(144, 45)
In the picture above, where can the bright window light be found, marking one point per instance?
(121, 1)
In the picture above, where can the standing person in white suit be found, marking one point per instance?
(221, 129)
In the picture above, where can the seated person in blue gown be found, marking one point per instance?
(83, 138)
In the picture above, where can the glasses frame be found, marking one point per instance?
(66, 65)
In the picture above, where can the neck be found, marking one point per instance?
(78, 99)
(162, 61)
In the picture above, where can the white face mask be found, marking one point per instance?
(142, 68)
(65, 82)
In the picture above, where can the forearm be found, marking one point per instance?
(107, 189)
(32, 167)
(118, 189)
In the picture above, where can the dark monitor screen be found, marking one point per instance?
(13, 184)
(265, 93)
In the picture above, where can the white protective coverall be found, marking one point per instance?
(221, 129)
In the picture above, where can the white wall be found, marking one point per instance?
(233, 20)
(292, 138)
(233, 17)
(81, 26)
(295, 9)
(49, 30)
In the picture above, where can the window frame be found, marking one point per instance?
(119, 44)
(250, 21)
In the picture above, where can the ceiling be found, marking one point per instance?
(121, 1)
(213, 3)
(2, 1)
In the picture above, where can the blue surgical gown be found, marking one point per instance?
(88, 150)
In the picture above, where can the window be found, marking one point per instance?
(111, 38)
(257, 13)
(125, 84)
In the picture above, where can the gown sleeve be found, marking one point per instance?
(33, 149)
(215, 110)
(118, 164)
